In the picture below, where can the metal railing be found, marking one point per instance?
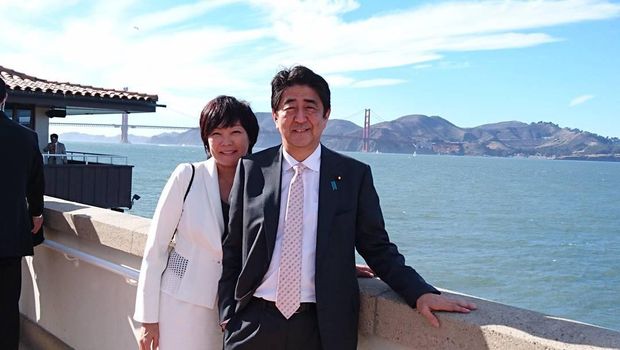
(130, 274)
(86, 157)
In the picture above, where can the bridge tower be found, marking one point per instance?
(366, 131)
(125, 125)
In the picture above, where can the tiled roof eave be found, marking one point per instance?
(94, 94)
(63, 100)
(17, 81)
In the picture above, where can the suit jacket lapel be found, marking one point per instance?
(328, 198)
(272, 175)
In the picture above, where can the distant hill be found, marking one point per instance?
(269, 135)
(80, 137)
(435, 135)
(189, 137)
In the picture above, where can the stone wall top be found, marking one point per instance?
(386, 317)
(71, 222)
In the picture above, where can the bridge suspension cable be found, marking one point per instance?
(135, 126)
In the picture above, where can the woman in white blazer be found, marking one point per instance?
(175, 301)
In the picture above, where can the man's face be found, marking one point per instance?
(54, 139)
(300, 118)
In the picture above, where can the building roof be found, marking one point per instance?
(74, 98)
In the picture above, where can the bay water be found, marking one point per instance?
(532, 233)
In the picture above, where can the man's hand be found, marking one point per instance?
(430, 302)
(364, 271)
(37, 222)
(149, 336)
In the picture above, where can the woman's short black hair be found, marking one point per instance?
(226, 111)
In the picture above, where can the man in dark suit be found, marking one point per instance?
(298, 212)
(21, 209)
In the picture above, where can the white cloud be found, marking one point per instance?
(377, 82)
(338, 80)
(453, 65)
(35, 6)
(178, 14)
(443, 65)
(421, 34)
(187, 65)
(580, 100)
(423, 66)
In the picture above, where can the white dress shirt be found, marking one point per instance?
(310, 176)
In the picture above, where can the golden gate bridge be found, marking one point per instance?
(125, 126)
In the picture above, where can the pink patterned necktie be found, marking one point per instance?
(289, 278)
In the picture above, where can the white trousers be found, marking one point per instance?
(187, 326)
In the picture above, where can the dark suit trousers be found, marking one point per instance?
(10, 289)
(261, 326)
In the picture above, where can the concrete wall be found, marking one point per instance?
(42, 126)
(86, 307)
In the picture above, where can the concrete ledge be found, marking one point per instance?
(83, 225)
(387, 322)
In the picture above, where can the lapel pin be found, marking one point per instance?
(334, 184)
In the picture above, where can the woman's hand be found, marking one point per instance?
(149, 336)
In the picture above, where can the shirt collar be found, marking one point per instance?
(313, 162)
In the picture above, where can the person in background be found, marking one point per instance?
(21, 214)
(177, 288)
(55, 147)
(298, 212)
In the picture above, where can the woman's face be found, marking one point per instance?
(227, 145)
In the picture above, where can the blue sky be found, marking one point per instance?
(471, 63)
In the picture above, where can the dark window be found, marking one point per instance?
(24, 117)
(21, 114)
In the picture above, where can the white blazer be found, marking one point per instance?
(198, 241)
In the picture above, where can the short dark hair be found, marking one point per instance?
(299, 75)
(2, 89)
(54, 136)
(224, 112)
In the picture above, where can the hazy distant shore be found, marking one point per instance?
(419, 134)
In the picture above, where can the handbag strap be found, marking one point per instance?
(191, 180)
